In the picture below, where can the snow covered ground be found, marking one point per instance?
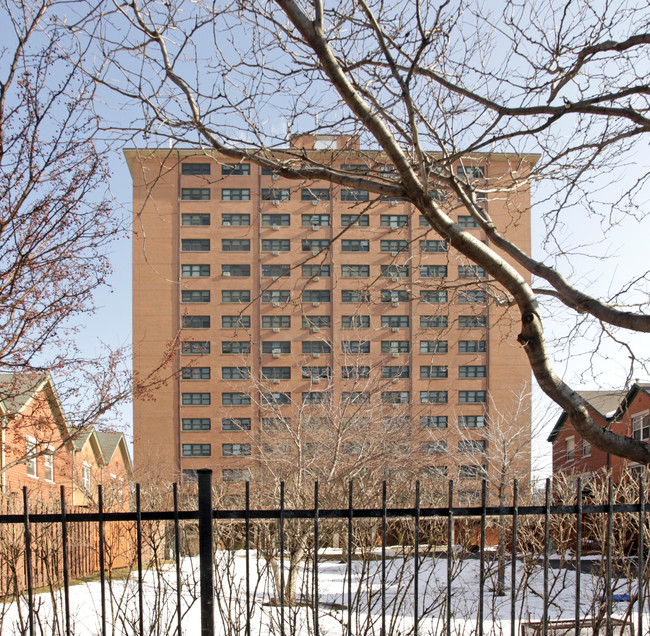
(122, 604)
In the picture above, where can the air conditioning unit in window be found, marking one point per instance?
(316, 380)
(275, 228)
(316, 355)
(394, 329)
(356, 224)
(395, 354)
(315, 304)
(394, 253)
(394, 278)
(395, 406)
(316, 279)
(394, 303)
(275, 303)
(275, 353)
(276, 329)
(315, 329)
(393, 226)
(275, 176)
(315, 228)
(314, 252)
(393, 204)
(276, 381)
(275, 253)
(395, 380)
(226, 274)
(276, 203)
(274, 278)
(314, 202)
(225, 223)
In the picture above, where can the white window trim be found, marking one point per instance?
(48, 458)
(31, 447)
(639, 417)
(85, 470)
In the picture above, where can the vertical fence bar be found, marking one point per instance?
(416, 574)
(450, 549)
(248, 558)
(102, 555)
(177, 559)
(608, 565)
(513, 564)
(641, 561)
(383, 557)
(350, 548)
(578, 554)
(282, 558)
(28, 562)
(547, 529)
(206, 551)
(315, 558)
(66, 565)
(481, 583)
(138, 530)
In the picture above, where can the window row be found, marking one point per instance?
(274, 194)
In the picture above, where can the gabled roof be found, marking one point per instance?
(630, 397)
(605, 403)
(111, 443)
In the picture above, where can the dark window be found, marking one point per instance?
(355, 322)
(471, 397)
(235, 322)
(195, 295)
(362, 220)
(195, 399)
(318, 322)
(276, 397)
(395, 397)
(316, 296)
(355, 397)
(394, 246)
(472, 472)
(424, 222)
(355, 346)
(195, 168)
(395, 271)
(315, 194)
(195, 245)
(276, 346)
(235, 346)
(196, 424)
(235, 399)
(316, 220)
(471, 172)
(235, 474)
(196, 450)
(394, 220)
(433, 447)
(395, 346)
(434, 472)
(355, 271)
(471, 296)
(433, 421)
(355, 245)
(275, 423)
(276, 296)
(195, 194)
(235, 296)
(236, 373)
(276, 322)
(472, 346)
(355, 167)
(235, 194)
(395, 296)
(434, 346)
(316, 346)
(355, 195)
(195, 347)
(235, 450)
(195, 271)
(276, 373)
(236, 219)
(195, 219)
(433, 397)
(236, 424)
(312, 271)
(433, 372)
(355, 296)
(276, 245)
(434, 322)
(433, 271)
(196, 373)
(472, 322)
(471, 446)
(236, 169)
(476, 371)
(239, 271)
(275, 271)
(279, 220)
(433, 247)
(395, 372)
(196, 322)
(471, 271)
(313, 373)
(235, 245)
(394, 321)
(316, 397)
(276, 194)
(471, 421)
(355, 373)
(433, 297)
(467, 221)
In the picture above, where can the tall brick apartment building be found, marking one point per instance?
(299, 304)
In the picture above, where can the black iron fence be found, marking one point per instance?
(617, 546)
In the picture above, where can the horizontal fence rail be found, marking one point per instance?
(43, 534)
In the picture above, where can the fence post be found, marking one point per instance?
(206, 554)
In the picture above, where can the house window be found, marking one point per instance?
(235, 474)
(196, 322)
(355, 245)
(355, 271)
(570, 449)
(235, 169)
(586, 448)
(236, 424)
(196, 423)
(433, 421)
(235, 296)
(362, 220)
(196, 399)
(276, 271)
(235, 322)
(276, 322)
(472, 472)
(316, 397)
(394, 220)
(434, 346)
(433, 372)
(235, 194)
(311, 373)
(395, 296)
(395, 346)
(277, 346)
(276, 373)
(355, 373)
(393, 246)
(195, 347)
(85, 477)
(473, 371)
(276, 245)
(235, 219)
(275, 423)
(471, 172)
(195, 219)
(195, 271)
(315, 245)
(355, 346)
(395, 397)
(238, 347)
(472, 296)
(235, 450)
(195, 296)
(195, 245)
(433, 297)
(472, 322)
(429, 448)
(467, 221)
(281, 220)
(434, 322)
(276, 296)
(433, 247)
(395, 271)
(276, 194)
(316, 296)
(316, 220)
(433, 271)
(355, 296)
(471, 446)
(195, 168)
(315, 194)
(355, 195)
(316, 346)
(235, 245)
(433, 397)
(471, 421)
(394, 321)
(641, 426)
(235, 399)
(471, 271)
(275, 398)
(30, 465)
(395, 372)
(319, 322)
(310, 271)
(471, 397)
(196, 450)
(472, 346)
(236, 373)
(195, 194)
(423, 222)
(355, 322)
(196, 373)
(238, 271)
